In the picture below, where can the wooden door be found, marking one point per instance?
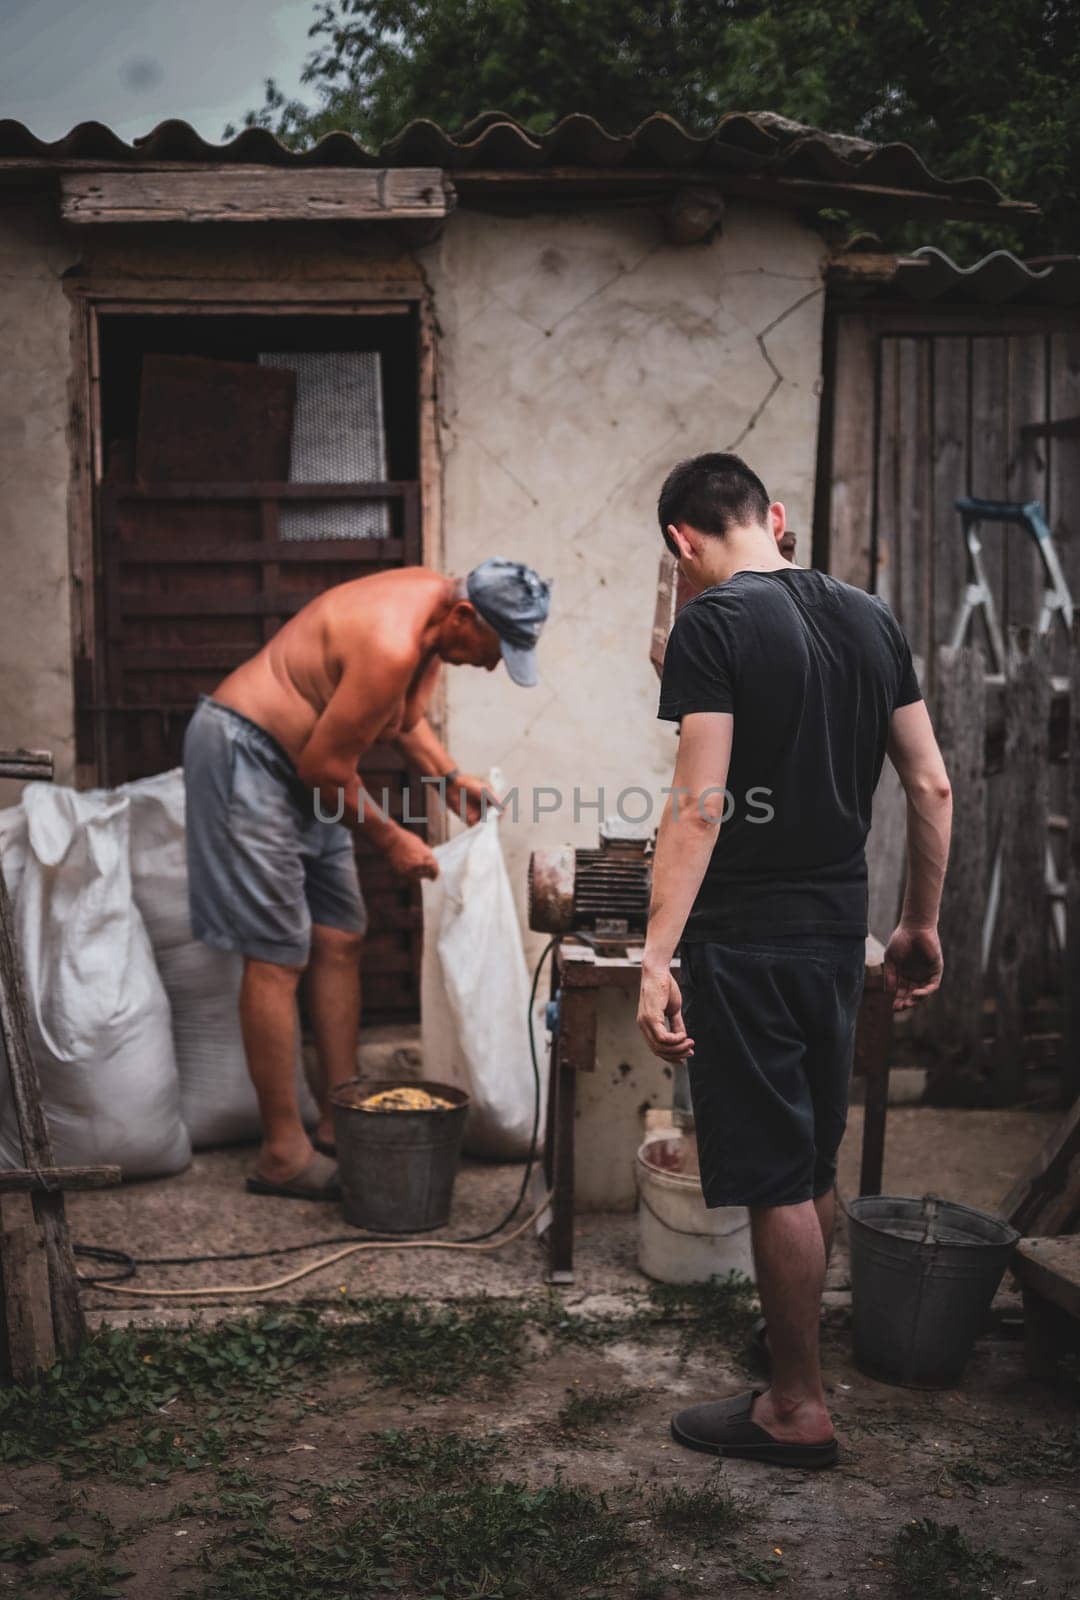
(195, 577)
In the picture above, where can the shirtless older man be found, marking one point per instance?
(273, 753)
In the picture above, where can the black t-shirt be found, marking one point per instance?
(812, 670)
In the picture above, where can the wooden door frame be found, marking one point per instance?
(91, 299)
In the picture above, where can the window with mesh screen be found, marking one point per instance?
(339, 436)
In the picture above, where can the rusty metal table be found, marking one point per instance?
(578, 973)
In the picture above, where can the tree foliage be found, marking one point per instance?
(990, 90)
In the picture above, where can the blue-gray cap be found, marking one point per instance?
(514, 600)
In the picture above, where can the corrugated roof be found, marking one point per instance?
(999, 278)
(752, 144)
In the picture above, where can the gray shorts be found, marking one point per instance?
(261, 866)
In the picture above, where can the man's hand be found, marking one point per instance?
(410, 856)
(660, 1016)
(470, 798)
(913, 965)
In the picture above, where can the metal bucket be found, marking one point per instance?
(923, 1274)
(397, 1168)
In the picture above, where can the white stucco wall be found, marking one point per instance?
(36, 699)
(579, 358)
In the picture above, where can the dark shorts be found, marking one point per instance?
(773, 1024)
(262, 867)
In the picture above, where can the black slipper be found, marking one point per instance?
(725, 1428)
(317, 1181)
(326, 1147)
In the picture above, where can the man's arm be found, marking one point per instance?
(358, 711)
(913, 962)
(684, 845)
(466, 795)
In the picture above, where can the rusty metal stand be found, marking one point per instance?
(577, 974)
(40, 1315)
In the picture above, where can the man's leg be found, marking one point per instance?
(789, 1258)
(333, 988)
(269, 1022)
(825, 1206)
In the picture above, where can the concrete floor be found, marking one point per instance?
(972, 1156)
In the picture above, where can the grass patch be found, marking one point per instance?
(721, 1311)
(704, 1514)
(937, 1562)
(107, 1410)
(433, 1458)
(437, 1349)
(233, 1371)
(585, 1409)
(495, 1539)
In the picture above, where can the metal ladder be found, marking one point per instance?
(978, 597)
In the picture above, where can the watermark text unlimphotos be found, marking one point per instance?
(635, 805)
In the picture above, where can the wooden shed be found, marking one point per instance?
(543, 323)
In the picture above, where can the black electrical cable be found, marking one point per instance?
(130, 1264)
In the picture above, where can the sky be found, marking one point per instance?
(133, 63)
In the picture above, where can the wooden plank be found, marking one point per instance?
(989, 454)
(224, 421)
(1016, 959)
(952, 1018)
(850, 507)
(1045, 1180)
(313, 194)
(22, 1180)
(1052, 1268)
(911, 549)
(28, 1340)
(1070, 1064)
(267, 489)
(1025, 477)
(200, 603)
(951, 477)
(27, 764)
(68, 1325)
(290, 552)
(887, 511)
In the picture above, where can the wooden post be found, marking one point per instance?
(1016, 959)
(68, 1325)
(953, 1018)
(40, 1315)
(1070, 1065)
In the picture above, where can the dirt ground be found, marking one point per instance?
(295, 1474)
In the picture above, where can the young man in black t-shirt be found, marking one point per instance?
(789, 687)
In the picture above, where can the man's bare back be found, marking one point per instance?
(380, 626)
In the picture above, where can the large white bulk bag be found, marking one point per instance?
(475, 992)
(99, 1016)
(217, 1097)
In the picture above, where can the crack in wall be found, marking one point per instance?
(778, 376)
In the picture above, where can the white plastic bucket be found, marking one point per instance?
(680, 1240)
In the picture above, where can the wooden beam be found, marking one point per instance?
(1050, 1182)
(27, 764)
(27, 1340)
(314, 194)
(1070, 1065)
(1015, 960)
(67, 1317)
(25, 1180)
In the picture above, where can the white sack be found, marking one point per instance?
(99, 1016)
(217, 1096)
(475, 992)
